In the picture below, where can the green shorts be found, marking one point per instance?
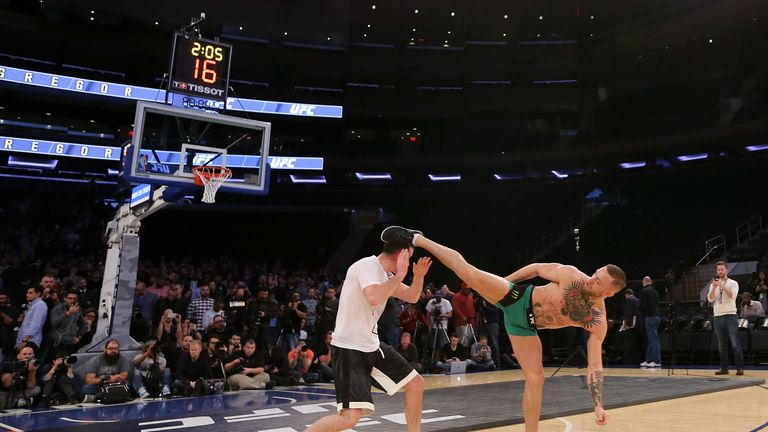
(518, 311)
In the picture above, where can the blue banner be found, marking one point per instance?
(140, 194)
(123, 91)
(88, 151)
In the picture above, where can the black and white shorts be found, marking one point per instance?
(357, 371)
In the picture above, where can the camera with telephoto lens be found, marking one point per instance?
(437, 312)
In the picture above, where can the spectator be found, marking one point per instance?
(277, 366)
(150, 371)
(31, 329)
(311, 303)
(247, 370)
(106, 368)
(722, 293)
(452, 352)
(218, 310)
(145, 301)
(160, 291)
(198, 307)
(292, 314)
(389, 323)
(218, 327)
(649, 309)
(751, 309)
(631, 333)
(67, 324)
(490, 317)
(192, 370)
(480, 357)
(19, 378)
(89, 328)
(464, 315)
(88, 298)
(409, 351)
(58, 381)
(172, 301)
(414, 322)
(261, 312)
(761, 290)
(323, 363)
(327, 310)
(9, 316)
(233, 343)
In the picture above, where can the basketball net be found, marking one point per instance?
(211, 178)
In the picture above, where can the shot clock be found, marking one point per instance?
(199, 67)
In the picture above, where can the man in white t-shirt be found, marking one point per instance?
(722, 294)
(359, 358)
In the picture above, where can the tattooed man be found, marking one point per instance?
(571, 299)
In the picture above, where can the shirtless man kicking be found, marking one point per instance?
(571, 299)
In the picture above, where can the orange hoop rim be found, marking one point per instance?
(208, 172)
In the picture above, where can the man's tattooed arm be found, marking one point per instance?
(596, 387)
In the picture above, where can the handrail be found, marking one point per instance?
(749, 228)
(711, 245)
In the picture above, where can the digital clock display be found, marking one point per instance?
(200, 67)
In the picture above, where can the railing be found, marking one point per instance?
(711, 245)
(748, 229)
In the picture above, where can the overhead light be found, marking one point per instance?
(591, 17)
(415, 11)
(93, 12)
(449, 32)
(444, 177)
(329, 38)
(93, 121)
(507, 176)
(506, 16)
(373, 176)
(541, 17)
(413, 29)
(157, 23)
(23, 162)
(692, 157)
(307, 179)
(365, 34)
(285, 33)
(757, 147)
(241, 27)
(453, 14)
(504, 34)
(630, 165)
(559, 175)
(91, 18)
(373, 7)
(369, 26)
(47, 113)
(710, 41)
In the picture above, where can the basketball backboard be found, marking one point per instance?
(168, 142)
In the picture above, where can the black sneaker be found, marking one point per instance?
(399, 234)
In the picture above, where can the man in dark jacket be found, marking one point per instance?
(631, 328)
(649, 310)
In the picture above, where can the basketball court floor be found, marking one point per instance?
(637, 400)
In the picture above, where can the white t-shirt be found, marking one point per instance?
(356, 319)
(722, 304)
(445, 307)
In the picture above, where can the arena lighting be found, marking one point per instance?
(444, 177)
(692, 157)
(756, 147)
(307, 179)
(372, 176)
(112, 172)
(507, 177)
(22, 162)
(559, 175)
(630, 165)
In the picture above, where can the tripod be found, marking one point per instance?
(578, 349)
(438, 328)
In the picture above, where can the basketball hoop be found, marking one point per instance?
(211, 178)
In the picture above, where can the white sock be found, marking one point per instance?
(413, 240)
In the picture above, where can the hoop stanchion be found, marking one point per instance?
(210, 178)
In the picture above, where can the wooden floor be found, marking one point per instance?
(728, 411)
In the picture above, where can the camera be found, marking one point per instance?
(304, 348)
(716, 277)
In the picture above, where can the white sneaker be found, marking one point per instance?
(143, 393)
(654, 365)
(644, 364)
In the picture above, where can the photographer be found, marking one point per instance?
(327, 309)
(150, 371)
(58, 381)
(246, 369)
(438, 311)
(104, 369)
(168, 335)
(19, 378)
(217, 354)
(292, 314)
(480, 355)
(261, 311)
(300, 359)
(234, 343)
(192, 371)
